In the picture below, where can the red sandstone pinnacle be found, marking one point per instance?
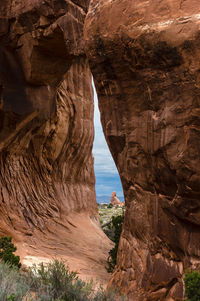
(144, 56)
(47, 192)
(115, 201)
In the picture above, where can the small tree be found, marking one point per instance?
(192, 286)
(7, 249)
(117, 222)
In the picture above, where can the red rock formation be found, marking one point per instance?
(115, 201)
(47, 195)
(144, 56)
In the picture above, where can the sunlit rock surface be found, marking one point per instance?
(145, 59)
(47, 195)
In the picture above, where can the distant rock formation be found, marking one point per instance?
(144, 56)
(47, 193)
(115, 201)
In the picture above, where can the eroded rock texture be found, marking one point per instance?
(145, 58)
(47, 196)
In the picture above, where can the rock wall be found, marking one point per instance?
(144, 56)
(47, 194)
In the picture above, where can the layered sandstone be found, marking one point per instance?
(144, 56)
(47, 195)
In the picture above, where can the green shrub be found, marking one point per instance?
(53, 282)
(7, 249)
(56, 282)
(12, 284)
(11, 297)
(117, 222)
(192, 285)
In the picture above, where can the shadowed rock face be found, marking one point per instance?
(46, 133)
(144, 56)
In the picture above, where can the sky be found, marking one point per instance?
(107, 177)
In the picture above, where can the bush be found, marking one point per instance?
(56, 282)
(12, 284)
(192, 286)
(53, 282)
(7, 249)
(117, 222)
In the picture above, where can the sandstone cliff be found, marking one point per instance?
(47, 195)
(144, 56)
